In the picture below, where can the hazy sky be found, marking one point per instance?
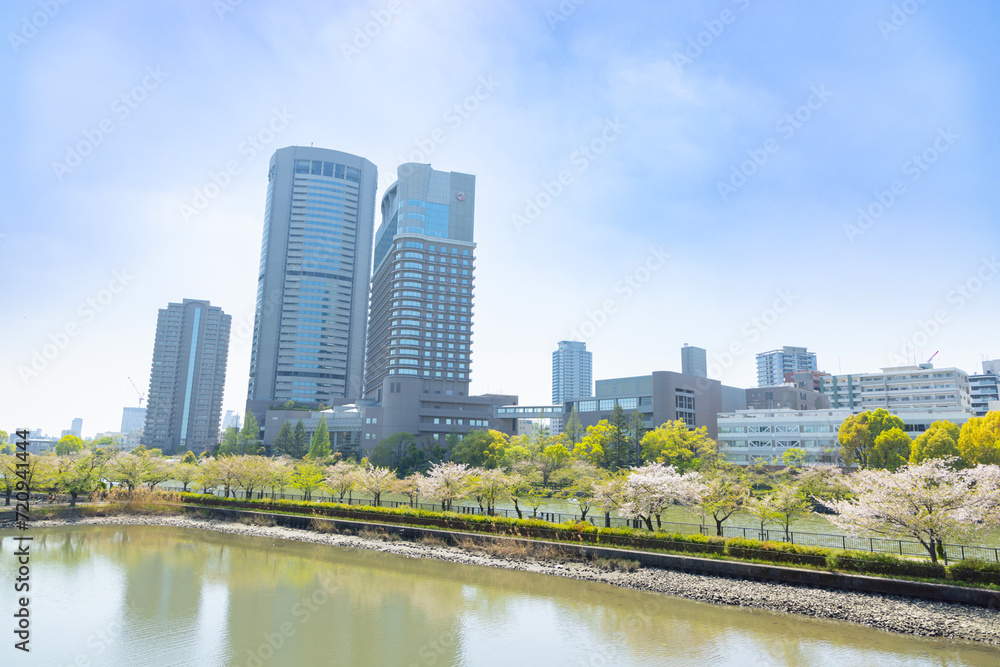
(648, 174)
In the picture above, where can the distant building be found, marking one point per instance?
(694, 361)
(133, 419)
(985, 388)
(343, 424)
(231, 419)
(76, 428)
(785, 397)
(572, 371)
(772, 365)
(900, 388)
(659, 397)
(187, 377)
(806, 379)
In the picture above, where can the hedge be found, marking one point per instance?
(630, 538)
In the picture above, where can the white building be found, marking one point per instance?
(772, 366)
(900, 388)
(746, 436)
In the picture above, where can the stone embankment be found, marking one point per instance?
(893, 614)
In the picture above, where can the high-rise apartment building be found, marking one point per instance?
(187, 377)
(772, 365)
(420, 324)
(312, 291)
(694, 361)
(572, 371)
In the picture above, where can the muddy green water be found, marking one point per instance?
(142, 595)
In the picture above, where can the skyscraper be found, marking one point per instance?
(312, 291)
(188, 376)
(772, 365)
(694, 361)
(422, 283)
(572, 371)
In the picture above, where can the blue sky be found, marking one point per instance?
(713, 158)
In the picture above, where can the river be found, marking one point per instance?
(145, 595)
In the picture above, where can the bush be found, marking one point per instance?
(777, 552)
(975, 571)
(886, 564)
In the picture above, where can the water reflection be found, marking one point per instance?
(168, 596)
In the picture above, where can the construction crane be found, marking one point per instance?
(932, 356)
(142, 396)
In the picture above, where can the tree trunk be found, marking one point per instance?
(658, 524)
(516, 508)
(607, 519)
(648, 520)
(72, 498)
(583, 512)
(940, 549)
(718, 527)
(8, 496)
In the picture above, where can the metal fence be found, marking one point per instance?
(871, 544)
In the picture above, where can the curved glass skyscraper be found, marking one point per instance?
(312, 290)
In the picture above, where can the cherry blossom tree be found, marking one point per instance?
(929, 502)
(342, 478)
(652, 488)
(375, 481)
(490, 487)
(446, 482)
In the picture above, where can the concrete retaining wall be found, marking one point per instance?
(723, 568)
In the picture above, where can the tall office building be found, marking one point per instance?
(772, 366)
(312, 291)
(133, 419)
(572, 371)
(422, 283)
(187, 378)
(694, 361)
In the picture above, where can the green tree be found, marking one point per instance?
(793, 458)
(676, 444)
(723, 496)
(617, 453)
(283, 442)
(189, 457)
(593, 446)
(483, 449)
(574, 429)
(939, 441)
(979, 439)
(891, 450)
(391, 451)
(553, 458)
(300, 441)
(77, 473)
(308, 477)
(185, 473)
(857, 435)
(68, 444)
(230, 442)
(249, 439)
(320, 447)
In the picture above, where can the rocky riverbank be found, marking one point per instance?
(892, 614)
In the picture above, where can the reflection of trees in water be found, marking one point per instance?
(360, 607)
